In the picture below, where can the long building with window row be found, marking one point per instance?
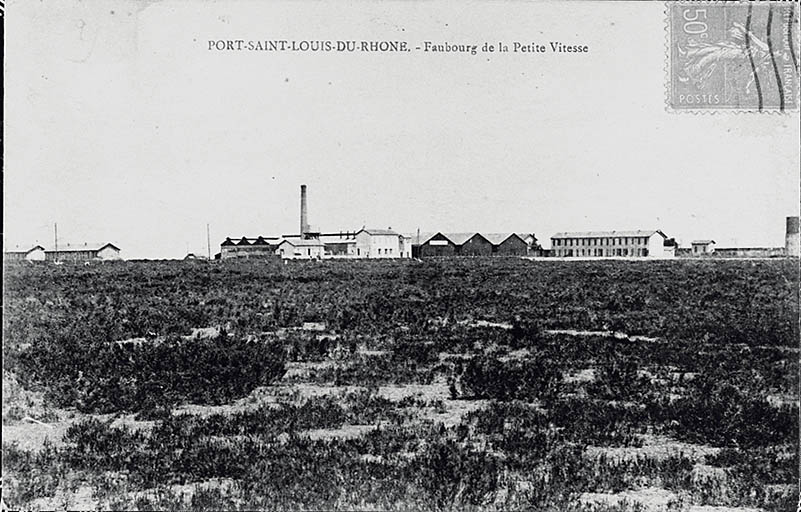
(606, 244)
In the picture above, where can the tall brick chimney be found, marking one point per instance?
(304, 213)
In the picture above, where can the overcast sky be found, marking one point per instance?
(121, 126)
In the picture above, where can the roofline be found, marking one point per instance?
(426, 240)
(602, 234)
(368, 231)
(84, 248)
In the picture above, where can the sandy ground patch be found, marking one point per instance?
(652, 498)
(343, 432)
(713, 508)
(32, 436)
(656, 447)
(580, 376)
(79, 499)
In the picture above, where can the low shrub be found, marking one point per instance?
(152, 375)
(488, 377)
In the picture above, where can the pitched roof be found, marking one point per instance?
(302, 243)
(459, 238)
(260, 240)
(424, 237)
(697, 242)
(604, 234)
(86, 246)
(24, 251)
(378, 232)
(499, 238)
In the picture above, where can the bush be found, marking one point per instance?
(530, 379)
(114, 378)
(718, 413)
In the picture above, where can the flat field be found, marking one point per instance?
(466, 384)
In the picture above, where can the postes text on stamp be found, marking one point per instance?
(733, 56)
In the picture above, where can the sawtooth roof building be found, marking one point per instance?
(472, 244)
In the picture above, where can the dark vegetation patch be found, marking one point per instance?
(724, 331)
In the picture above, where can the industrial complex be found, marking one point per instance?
(372, 243)
(385, 243)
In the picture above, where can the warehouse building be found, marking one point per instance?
(35, 253)
(511, 244)
(83, 252)
(605, 244)
(259, 247)
(437, 245)
(470, 244)
(433, 245)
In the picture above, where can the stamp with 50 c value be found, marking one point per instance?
(733, 56)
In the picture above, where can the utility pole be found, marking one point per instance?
(55, 234)
(208, 242)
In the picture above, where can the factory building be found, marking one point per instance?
(35, 253)
(471, 244)
(434, 245)
(83, 252)
(604, 244)
(297, 248)
(510, 244)
(381, 243)
(311, 243)
(259, 247)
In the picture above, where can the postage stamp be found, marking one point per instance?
(733, 56)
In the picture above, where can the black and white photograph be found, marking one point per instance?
(404, 255)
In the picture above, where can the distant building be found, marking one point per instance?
(750, 252)
(83, 252)
(792, 244)
(259, 247)
(670, 248)
(311, 249)
(311, 243)
(434, 245)
(510, 244)
(35, 253)
(472, 244)
(604, 244)
(381, 243)
(702, 247)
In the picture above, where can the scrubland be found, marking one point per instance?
(466, 384)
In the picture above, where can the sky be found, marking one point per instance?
(122, 126)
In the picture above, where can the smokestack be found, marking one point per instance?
(304, 213)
